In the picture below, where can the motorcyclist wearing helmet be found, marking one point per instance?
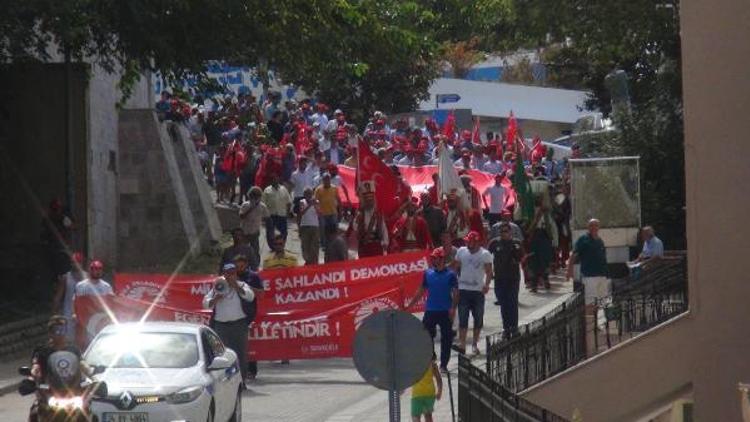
(57, 341)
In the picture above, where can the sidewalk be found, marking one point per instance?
(532, 307)
(9, 377)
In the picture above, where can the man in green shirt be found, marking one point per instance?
(591, 253)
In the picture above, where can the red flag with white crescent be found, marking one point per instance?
(372, 168)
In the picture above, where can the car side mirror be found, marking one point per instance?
(219, 363)
(24, 371)
(100, 391)
(26, 387)
(98, 369)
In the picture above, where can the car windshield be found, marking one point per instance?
(144, 350)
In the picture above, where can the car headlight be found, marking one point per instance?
(75, 402)
(185, 395)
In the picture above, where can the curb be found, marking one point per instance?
(9, 386)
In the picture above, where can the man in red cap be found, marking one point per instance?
(94, 285)
(442, 296)
(474, 264)
(410, 232)
(369, 224)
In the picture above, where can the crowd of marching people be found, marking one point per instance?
(280, 163)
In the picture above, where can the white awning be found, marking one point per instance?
(493, 99)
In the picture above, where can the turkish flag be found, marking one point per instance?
(372, 168)
(419, 180)
(510, 137)
(475, 137)
(449, 128)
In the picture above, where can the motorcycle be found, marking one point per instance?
(66, 394)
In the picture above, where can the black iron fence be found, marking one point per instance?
(482, 399)
(544, 348)
(570, 334)
(654, 294)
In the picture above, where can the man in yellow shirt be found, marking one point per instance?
(424, 394)
(279, 256)
(327, 196)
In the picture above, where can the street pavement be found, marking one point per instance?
(331, 390)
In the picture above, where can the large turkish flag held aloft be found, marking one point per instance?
(419, 180)
(372, 168)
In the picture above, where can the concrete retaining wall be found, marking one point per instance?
(164, 207)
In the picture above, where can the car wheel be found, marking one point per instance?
(237, 415)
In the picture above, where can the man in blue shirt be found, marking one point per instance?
(652, 245)
(442, 297)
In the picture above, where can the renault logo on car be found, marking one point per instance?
(126, 400)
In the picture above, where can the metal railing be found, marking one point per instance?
(656, 294)
(544, 348)
(568, 335)
(482, 399)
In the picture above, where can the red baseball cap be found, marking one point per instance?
(96, 265)
(473, 235)
(438, 253)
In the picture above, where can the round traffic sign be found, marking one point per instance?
(392, 350)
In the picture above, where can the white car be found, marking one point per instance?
(165, 372)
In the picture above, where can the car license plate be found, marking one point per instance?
(125, 417)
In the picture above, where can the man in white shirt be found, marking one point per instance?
(474, 264)
(279, 203)
(309, 227)
(301, 179)
(493, 165)
(320, 116)
(65, 293)
(497, 196)
(229, 319)
(253, 213)
(94, 285)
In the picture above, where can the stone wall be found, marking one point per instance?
(165, 213)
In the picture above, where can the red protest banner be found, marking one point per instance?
(286, 290)
(306, 312)
(301, 333)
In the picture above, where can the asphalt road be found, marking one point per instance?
(331, 390)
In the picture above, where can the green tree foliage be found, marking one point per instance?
(357, 52)
(581, 42)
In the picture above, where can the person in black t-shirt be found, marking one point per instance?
(507, 253)
(251, 278)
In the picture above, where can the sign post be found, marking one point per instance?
(445, 99)
(391, 352)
